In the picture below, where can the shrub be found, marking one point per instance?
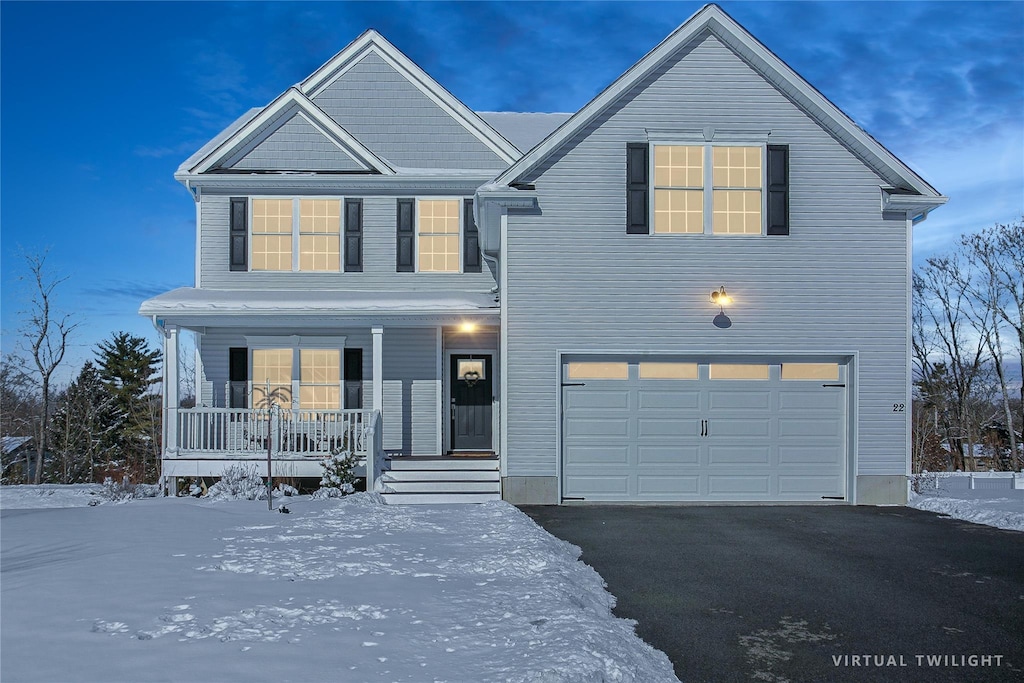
(239, 482)
(338, 479)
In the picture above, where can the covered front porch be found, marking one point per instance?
(315, 375)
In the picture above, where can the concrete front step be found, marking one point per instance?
(492, 486)
(438, 498)
(440, 475)
(443, 464)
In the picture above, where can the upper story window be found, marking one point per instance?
(678, 189)
(272, 234)
(277, 246)
(319, 237)
(736, 178)
(437, 235)
(706, 189)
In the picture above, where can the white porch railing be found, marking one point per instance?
(244, 431)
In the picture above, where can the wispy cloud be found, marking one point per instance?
(179, 150)
(136, 290)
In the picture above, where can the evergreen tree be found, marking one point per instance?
(130, 368)
(83, 429)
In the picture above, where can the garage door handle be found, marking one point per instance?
(833, 385)
(574, 384)
(703, 427)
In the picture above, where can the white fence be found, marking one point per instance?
(967, 481)
(242, 431)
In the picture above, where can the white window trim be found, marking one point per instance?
(297, 233)
(416, 234)
(722, 139)
(297, 343)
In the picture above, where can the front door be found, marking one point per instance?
(472, 400)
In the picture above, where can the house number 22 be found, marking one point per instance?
(899, 407)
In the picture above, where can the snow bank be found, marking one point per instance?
(948, 494)
(341, 589)
(50, 496)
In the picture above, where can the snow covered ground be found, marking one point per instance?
(949, 494)
(339, 590)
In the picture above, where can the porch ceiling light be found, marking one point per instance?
(467, 327)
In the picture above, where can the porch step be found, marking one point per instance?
(439, 475)
(413, 480)
(443, 464)
(462, 487)
(438, 498)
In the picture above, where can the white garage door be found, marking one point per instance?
(635, 430)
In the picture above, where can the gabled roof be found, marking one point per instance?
(713, 19)
(249, 132)
(524, 129)
(371, 41)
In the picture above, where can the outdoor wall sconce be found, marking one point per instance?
(720, 297)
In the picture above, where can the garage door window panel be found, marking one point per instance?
(810, 371)
(735, 371)
(649, 370)
(589, 370)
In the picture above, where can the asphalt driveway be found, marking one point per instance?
(807, 593)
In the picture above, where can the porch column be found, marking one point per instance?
(171, 399)
(378, 368)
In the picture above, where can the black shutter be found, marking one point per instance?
(239, 232)
(470, 240)
(353, 379)
(636, 189)
(353, 235)
(406, 221)
(778, 189)
(238, 376)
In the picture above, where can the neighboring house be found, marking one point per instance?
(15, 452)
(696, 288)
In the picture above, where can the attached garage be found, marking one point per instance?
(680, 429)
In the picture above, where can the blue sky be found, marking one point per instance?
(102, 101)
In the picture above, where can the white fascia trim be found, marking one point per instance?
(246, 182)
(712, 18)
(291, 98)
(371, 41)
(294, 341)
(916, 207)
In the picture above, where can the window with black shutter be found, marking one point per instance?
(471, 261)
(238, 249)
(637, 189)
(406, 235)
(353, 235)
(238, 377)
(778, 189)
(353, 379)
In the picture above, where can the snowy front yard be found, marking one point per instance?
(993, 503)
(339, 590)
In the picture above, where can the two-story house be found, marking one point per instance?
(696, 288)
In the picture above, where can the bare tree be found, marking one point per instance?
(944, 323)
(994, 281)
(46, 333)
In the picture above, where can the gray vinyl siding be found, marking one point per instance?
(378, 258)
(576, 281)
(297, 145)
(484, 339)
(411, 383)
(411, 391)
(396, 121)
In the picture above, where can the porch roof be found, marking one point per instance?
(189, 306)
